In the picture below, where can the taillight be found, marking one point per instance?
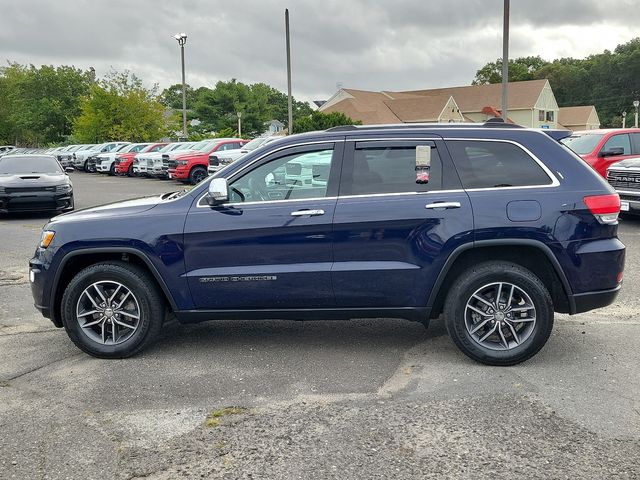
(604, 207)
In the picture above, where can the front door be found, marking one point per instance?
(394, 226)
(270, 246)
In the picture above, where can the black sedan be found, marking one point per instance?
(34, 183)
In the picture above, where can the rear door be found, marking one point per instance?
(393, 229)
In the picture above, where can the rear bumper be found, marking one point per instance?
(583, 302)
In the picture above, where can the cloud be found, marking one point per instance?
(405, 44)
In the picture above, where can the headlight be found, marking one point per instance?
(46, 238)
(182, 162)
(226, 161)
(63, 188)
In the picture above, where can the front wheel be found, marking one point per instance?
(197, 174)
(499, 313)
(112, 310)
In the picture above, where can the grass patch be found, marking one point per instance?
(213, 419)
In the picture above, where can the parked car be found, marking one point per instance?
(123, 163)
(6, 149)
(624, 176)
(105, 162)
(601, 148)
(509, 228)
(144, 164)
(155, 165)
(192, 167)
(80, 158)
(65, 155)
(34, 183)
(91, 163)
(218, 160)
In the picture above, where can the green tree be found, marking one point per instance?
(321, 121)
(171, 97)
(258, 103)
(40, 104)
(523, 68)
(121, 108)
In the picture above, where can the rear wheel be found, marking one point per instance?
(197, 174)
(499, 313)
(112, 310)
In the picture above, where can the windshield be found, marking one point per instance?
(255, 143)
(207, 146)
(136, 147)
(583, 144)
(21, 165)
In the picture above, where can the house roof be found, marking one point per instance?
(418, 109)
(575, 115)
(368, 107)
(473, 98)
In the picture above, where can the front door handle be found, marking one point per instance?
(303, 213)
(443, 205)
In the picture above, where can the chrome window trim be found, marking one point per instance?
(554, 180)
(257, 159)
(267, 202)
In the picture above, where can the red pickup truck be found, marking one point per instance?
(601, 148)
(124, 162)
(192, 167)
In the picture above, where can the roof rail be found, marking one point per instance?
(498, 122)
(490, 123)
(341, 128)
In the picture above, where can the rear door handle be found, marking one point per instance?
(311, 213)
(443, 205)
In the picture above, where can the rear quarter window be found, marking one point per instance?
(495, 164)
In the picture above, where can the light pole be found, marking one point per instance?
(239, 124)
(182, 39)
(624, 119)
(505, 59)
(635, 104)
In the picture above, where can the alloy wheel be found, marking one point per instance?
(500, 316)
(108, 312)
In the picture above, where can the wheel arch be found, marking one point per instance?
(531, 254)
(77, 260)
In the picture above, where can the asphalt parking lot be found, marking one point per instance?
(361, 399)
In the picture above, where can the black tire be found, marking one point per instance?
(112, 169)
(483, 275)
(143, 288)
(197, 174)
(85, 166)
(130, 172)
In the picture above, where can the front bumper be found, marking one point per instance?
(36, 202)
(179, 173)
(630, 199)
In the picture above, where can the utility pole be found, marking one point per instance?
(182, 39)
(505, 59)
(636, 103)
(290, 100)
(239, 124)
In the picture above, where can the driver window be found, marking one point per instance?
(296, 176)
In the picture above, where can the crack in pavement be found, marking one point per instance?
(35, 369)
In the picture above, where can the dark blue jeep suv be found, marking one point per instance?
(494, 226)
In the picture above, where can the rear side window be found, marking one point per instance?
(495, 164)
(381, 167)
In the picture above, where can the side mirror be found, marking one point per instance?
(218, 192)
(69, 169)
(612, 152)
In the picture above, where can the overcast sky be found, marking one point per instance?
(372, 45)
